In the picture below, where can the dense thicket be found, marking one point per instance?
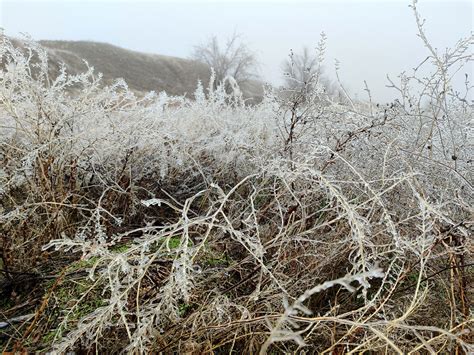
(165, 224)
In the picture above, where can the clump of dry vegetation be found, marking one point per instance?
(161, 224)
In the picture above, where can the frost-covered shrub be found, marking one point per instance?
(212, 224)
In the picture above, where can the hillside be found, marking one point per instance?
(143, 72)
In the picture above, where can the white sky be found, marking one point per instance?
(370, 38)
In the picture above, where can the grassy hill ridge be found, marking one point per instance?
(143, 72)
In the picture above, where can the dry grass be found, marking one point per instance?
(298, 224)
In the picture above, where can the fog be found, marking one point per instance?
(370, 38)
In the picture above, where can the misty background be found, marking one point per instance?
(370, 39)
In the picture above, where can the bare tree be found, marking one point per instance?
(304, 71)
(300, 69)
(233, 59)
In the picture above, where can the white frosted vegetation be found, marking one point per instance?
(324, 210)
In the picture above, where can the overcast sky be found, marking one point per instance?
(369, 38)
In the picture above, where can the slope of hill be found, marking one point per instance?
(143, 72)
